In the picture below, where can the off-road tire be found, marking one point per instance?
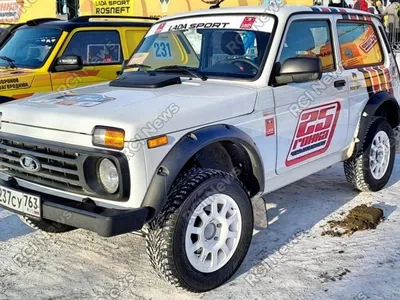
(46, 225)
(166, 237)
(357, 168)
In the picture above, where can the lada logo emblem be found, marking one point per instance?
(30, 163)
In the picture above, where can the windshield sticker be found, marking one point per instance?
(197, 26)
(260, 23)
(138, 58)
(248, 22)
(160, 27)
(85, 100)
(162, 49)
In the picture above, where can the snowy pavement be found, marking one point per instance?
(288, 260)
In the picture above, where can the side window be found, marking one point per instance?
(310, 38)
(96, 47)
(359, 44)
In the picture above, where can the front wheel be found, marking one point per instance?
(370, 169)
(203, 233)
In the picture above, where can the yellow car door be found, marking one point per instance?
(101, 52)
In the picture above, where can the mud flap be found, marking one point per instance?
(260, 213)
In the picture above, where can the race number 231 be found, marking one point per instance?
(314, 133)
(162, 50)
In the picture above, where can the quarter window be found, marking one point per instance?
(359, 45)
(96, 47)
(311, 38)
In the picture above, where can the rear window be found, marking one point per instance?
(359, 45)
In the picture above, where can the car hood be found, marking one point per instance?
(140, 112)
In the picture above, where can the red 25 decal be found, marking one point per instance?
(314, 133)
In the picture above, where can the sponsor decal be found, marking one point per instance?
(314, 133)
(160, 27)
(138, 58)
(356, 84)
(248, 22)
(270, 126)
(10, 11)
(12, 84)
(186, 26)
(112, 7)
(84, 100)
(369, 43)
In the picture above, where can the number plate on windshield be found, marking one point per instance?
(20, 202)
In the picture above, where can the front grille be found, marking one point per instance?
(60, 169)
(64, 167)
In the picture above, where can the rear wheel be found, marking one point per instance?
(370, 169)
(203, 233)
(46, 225)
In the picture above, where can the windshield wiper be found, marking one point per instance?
(9, 61)
(177, 68)
(141, 67)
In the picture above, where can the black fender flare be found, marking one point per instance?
(168, 170)
(372, 106)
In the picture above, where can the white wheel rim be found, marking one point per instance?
(379, 155)
(213, 233)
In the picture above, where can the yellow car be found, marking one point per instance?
(46, 55)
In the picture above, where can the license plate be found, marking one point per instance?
(20, 202)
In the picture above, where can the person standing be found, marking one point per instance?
(372, 7)
(391, 11)
(379, 7)
(361, 5)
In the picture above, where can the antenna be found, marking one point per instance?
(217, 4)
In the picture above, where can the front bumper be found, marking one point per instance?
(106, 222)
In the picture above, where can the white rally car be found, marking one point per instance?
(215, 108)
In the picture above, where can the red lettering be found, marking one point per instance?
(324, 135)
(295, 143)
(307, 118)
(326, 118)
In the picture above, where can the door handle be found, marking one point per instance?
(339, 83)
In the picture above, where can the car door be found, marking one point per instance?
(312, 117)
(101, 53)
(367, 68)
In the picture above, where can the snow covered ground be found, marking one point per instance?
(288, 260)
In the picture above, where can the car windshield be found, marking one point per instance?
(28, 48)
(218, 46)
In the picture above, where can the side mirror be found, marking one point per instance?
(299, 69)
(68, 63)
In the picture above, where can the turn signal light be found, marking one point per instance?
(109, 137)
(157, 142)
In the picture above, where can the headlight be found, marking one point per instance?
(108, 175)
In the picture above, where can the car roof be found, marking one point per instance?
(86, 21)
(280, 11)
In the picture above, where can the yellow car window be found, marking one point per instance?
(29, 48)
(96, 47)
